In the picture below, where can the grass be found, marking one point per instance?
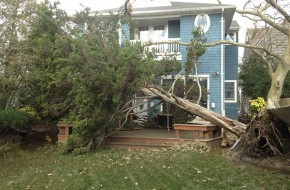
(44, 168)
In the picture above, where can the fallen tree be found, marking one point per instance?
(228, 124)
(258, 139)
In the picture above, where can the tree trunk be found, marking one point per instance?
(276, 88)
(228, 124)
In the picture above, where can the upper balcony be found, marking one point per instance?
(162, 50)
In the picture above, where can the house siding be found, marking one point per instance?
(125, 32)
(231, 73)
(210, 62)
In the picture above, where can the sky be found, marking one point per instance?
(71, 6)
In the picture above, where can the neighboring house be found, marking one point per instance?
(175, 21)
(269, 38)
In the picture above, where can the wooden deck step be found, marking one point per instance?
(153, 143)
(140, 142)
(136, 145)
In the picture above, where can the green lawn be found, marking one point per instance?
(44, 168)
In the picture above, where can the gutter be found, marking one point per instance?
(171, 12)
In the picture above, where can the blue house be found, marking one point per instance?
(162, 20)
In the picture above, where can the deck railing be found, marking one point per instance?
(163, 49)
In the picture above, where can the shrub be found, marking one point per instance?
(256, 105)
(29, 110)
(14, 121)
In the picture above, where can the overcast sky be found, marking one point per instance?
(71, 6)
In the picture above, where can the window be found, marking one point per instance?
(158, 33)
(144, 33)
(231, 91)
(203, 22)
(231, 37)
(161, 27)
(144, 28)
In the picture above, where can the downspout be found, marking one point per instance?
(222, 61)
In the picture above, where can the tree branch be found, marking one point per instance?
(219, 43)
(266, 19)
(247, 46)
(279, 9)
(269, 66)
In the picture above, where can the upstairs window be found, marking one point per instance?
(160, 27)
(144, 28)
(144, 33)
(231, 37)
(158, 33)
(203, 22)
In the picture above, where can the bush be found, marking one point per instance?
(12, 121)
(256, 105)
(29, 110)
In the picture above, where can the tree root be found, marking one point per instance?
(260, 140)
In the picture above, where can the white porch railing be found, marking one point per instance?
(164, 50)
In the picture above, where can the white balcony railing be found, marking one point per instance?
(164, 50)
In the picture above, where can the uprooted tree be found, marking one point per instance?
(266, 135)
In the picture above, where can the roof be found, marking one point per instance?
(271, 38)
(234, 26)
(179, 9)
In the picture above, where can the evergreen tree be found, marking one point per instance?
(49, 50)
(16, 17)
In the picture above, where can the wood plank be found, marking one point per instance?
(189, 127)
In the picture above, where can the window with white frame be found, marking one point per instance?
(144, 33)
(230, 91)
(202, 21)
(231, 37)
(158, 33)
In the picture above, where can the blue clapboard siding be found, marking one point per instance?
(125, 32)
(231, 73)
(210, 62)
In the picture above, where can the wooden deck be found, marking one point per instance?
(154, 138)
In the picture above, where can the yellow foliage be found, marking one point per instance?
(256, 105)
(28, 110)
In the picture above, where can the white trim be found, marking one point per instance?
(235, 91)
(206, 28)
(181, 11)
(222, 64)
(120, 32)
(235, 37)
(157, 17)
